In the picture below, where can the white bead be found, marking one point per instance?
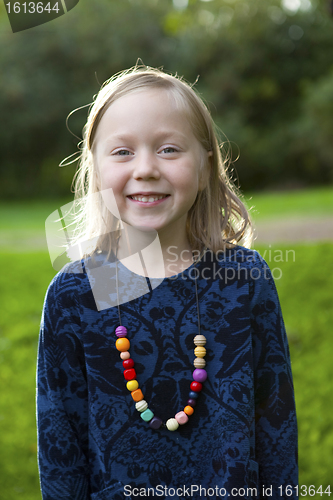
(172, 424)
(199, 340)
(199, 363)
(141, 405)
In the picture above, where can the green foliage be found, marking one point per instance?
(264, 71)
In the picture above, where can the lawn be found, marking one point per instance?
(304, 284)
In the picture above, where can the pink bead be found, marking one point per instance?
(125, 355)
(199, 375)
(121, 331)
(181, 418)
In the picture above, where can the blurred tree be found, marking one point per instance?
(254, 58)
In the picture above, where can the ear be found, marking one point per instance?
(205, 170)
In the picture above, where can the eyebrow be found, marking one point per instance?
(162, 135)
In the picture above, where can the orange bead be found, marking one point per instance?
(137, 395)
(188, 410)
(122, 344)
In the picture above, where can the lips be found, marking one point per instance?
(148, 197)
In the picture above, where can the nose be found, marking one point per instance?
(145, 165)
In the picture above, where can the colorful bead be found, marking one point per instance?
(121, 331)
(199, 340)
(155, 423)
(129, 363)
(172, 424)
(181, 417)
(141, 405)
(199, 363)
(132, 385)
(125, 355)
(199, 375)
(200, 352)
(188, 410)
(123, 344)
(137, 395)
(196, 386)
(130, 374)
(147, 415)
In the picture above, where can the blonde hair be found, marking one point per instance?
(217, 219)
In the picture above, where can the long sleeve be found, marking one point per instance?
(275, 413)
(62, 397)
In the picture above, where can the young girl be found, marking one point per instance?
(163, 365)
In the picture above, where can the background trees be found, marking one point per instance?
(265, 69)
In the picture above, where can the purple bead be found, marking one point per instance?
(121, 331)
(155, 423)
(199, 375)
(192, 402)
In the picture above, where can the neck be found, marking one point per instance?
(153, 254)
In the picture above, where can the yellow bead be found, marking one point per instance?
(199, 363)
(199, 340)
(200, 352)
(188, 410)
(132, 385)
(122, 344)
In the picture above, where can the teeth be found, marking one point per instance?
(146, 199)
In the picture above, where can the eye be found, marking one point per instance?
(169, 150)
(122, 152)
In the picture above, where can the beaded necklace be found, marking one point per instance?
(199, 374)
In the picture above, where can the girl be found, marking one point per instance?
(122, 411)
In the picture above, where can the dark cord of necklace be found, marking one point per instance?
(195, 281)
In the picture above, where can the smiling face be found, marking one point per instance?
(145, 150)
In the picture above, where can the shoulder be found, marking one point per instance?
(64, 286)
(241, 257)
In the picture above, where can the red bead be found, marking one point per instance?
(128, 363)
(196, 386)
(130, 374)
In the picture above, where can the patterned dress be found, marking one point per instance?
(242, 436)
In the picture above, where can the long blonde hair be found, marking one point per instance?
(217, 219)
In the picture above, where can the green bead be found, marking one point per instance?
(147, 415)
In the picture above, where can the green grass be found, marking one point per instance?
(23, 284)
(27, 215)
(305, 203)
(306, 297)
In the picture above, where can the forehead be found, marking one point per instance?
(145, 108)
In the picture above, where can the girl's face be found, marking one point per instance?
(146, 152)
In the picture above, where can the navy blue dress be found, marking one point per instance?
(242, 437)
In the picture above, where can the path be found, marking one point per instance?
(293, 229)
